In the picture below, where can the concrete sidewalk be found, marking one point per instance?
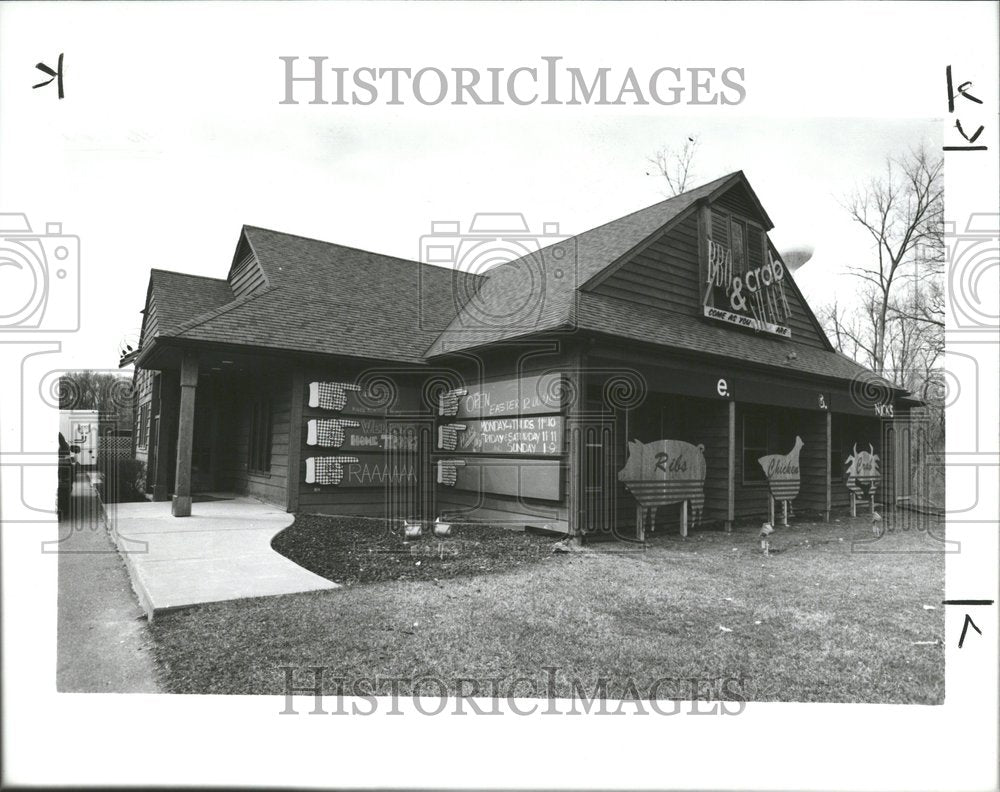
(102, 643)
(221, 552)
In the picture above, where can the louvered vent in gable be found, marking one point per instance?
(738, 201)
(755, 246)
(246, 275)
(720, 227)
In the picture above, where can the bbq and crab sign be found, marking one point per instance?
(756, 296)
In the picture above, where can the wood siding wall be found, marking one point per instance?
(812, 462)
(150, 324)
(664, 274)
(234, 426)
(143, 397)
(246, 275)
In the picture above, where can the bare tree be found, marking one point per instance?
(903, 212)
(897, 326)
(841, 326)
(107, 392)
(676, 165)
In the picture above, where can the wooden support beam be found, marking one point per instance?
(181, 506)
(784, 513)
(829, 471)
(295, 429)
(731, 471)
(684, 518)
(576, 447)
(166, 428)
(215, 442)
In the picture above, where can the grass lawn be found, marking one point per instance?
(818, 620)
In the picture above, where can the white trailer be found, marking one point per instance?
(79, 428)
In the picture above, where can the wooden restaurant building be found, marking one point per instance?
(658, 371)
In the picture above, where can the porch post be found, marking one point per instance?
(167, 397)
(181, 506)
(731, 473)
(295, 428)
(576, 520)
(829, 472)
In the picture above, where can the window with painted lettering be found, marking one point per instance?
(260, 437)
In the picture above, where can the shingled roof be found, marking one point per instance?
(325, 298)
(609, 315)
(540, 292)
(178, 297)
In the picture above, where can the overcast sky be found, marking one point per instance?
(159, 167)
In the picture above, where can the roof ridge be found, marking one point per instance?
(660, 203)
(187, 275)
(360, 250)
(663, 203)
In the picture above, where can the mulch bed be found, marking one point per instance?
(353, 550)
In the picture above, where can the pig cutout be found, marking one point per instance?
(665, 472)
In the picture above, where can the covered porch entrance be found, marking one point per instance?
(218, 427)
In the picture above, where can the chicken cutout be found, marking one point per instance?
(782, 471)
